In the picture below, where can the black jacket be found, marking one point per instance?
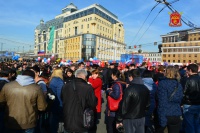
(135, 101)
(192, 90)
(73, 108)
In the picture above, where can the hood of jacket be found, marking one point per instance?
(148, 82)
(24, 80)
(1, 78)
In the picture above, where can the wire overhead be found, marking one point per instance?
(144, 22)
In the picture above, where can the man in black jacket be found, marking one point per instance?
(135, 101)
(73, 107)
(191, 100)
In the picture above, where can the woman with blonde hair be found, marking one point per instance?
(56, 83)
(170, 95)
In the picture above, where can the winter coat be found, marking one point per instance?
(97, 86)
(23, 99)
(74, 104)
(167, 107)
(56, 85)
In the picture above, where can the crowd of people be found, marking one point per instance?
(48, 98)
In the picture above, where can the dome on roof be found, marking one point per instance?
(71, 6)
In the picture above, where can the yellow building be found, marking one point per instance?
(83, 34)
(181, 46)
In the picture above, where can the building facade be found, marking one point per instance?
(181, 46)
(82, 34)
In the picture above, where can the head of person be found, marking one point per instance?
(81, 65)
(147, 74)
(95, 74)
(29, 73)
(19, 67)
(161, 69)
(57, 73)
(126, 68)
(132, 66)
(192, 69)
(36, 69)
(69, 73)
(81, 73)
(134, 74)
(112, 66)
(73, 67)
(172, 73)
(115, 74)
(144, 64)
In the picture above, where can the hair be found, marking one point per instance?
(193, 68)
(147, 74)
(69, 70)
(81, 63)
(80, 72)
(57, 73)
(36, 68)
(144, 63)
(116, 73)
(96, 72)
(134, 73)
(132, 65)
(172, 73)
(29, 73)
(5, 72)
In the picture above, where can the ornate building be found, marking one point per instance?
(181, 46)
(82, 34)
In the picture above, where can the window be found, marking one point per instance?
(189, 61)
(183, 61)
(195, 55)
(168, 60)
(195, 61)
(168, 55)
(178, 61)
(164, 55)
(173, 61)
(194, 39)
(173, 55)
(81, 26)
(88, 26)
(189, 55)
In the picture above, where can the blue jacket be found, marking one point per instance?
(165, 106)
(56, 85)
(115, 94)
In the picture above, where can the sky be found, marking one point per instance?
(19, 18)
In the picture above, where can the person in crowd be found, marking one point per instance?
(159, 75)
(132, 66)
(19, 70)
(96, 83)
(114, 92)
(126, 74)
(4, 78)
(73, 119)
(22, 98)
(38, 80)
(109, 74)
(81, 65)
(149, 83)
(56, 83)
(143, 67)
(68, 76)
(134, 104)
(191, 101)
(170, 94)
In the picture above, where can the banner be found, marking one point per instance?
(51, 38)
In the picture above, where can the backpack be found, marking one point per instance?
(2, 83)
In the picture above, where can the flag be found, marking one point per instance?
(51, 38)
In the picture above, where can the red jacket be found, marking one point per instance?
(97, 85)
